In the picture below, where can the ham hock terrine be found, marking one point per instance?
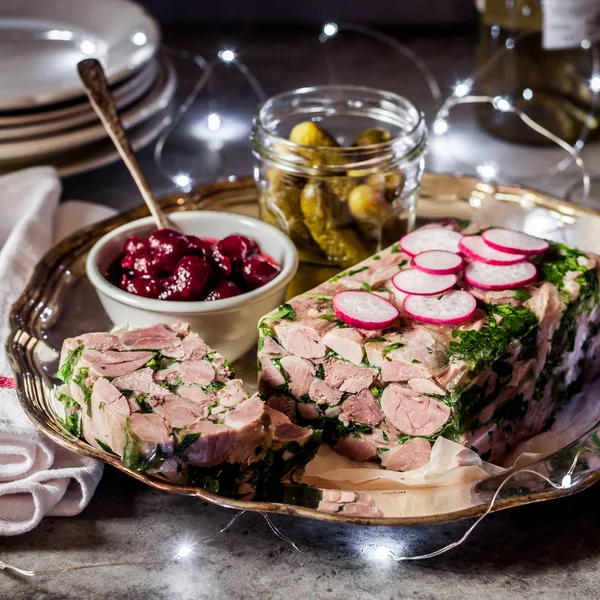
(168, 405)
(488, 383)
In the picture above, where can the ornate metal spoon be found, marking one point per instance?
(95, 84)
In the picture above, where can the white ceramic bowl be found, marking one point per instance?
(228, 325)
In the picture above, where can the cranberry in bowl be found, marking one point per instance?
(220, 272)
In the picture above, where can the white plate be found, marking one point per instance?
(41, 42)
(96, 154)
(103, 153)
(157, 99)
(81, 113)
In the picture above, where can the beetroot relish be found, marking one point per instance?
(171, 266)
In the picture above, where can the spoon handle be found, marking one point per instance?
(94, 82)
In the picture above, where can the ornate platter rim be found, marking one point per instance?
(51, 273)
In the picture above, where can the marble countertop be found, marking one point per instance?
(548, 550)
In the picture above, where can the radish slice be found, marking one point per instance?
(514, 242)
(505, 277)
(437, 262)
(475, 247)
(413, 281)
(364, 310)
(449, 309)
(435, 238)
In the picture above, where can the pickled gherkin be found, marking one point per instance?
(368, 204)
(308, 133)
(369, 137)
(342, 246)
(283, 206)
(390, 185)
(341, 186)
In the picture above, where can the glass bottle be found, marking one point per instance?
(539, 54)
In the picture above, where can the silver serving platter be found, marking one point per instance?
(59, 302)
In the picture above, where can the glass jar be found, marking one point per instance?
(347, 185)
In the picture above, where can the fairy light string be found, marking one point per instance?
(379, 551)
(440, 127)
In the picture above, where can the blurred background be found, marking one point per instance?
(217, 62)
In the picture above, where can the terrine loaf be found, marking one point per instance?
(459, 330)
(167, 404)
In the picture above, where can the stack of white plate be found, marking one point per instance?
(45, 117)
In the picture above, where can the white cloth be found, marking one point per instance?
(37, 477)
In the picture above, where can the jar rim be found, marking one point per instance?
(384, 94)
(289, 153)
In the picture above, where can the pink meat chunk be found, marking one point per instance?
(194, 348)
(300, 374)
(156, 337)
(411, 455)
(251, 423)
(348, 377)
(425, 386)
(109, 414)
(397, 370)
(270, 376)
(177, 412)
(412, 413)
(308, 411)
(77, 394)
(283, 404)
(289, 432)
(199, 372)
(394, 367)
(453, 375)
(301, 340)
(213, 445)
(142, 382)
(97, 341)
(277, 418)
(170, 376)
(107, 364)
(361, 408)
(150, 428)
(112, 357)
(321, 393)
(180, 328)
(271, 347)
(232, 394)
(356, 449)
(347, 342)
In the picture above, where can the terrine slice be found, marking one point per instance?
(166, 404)
(487, 383)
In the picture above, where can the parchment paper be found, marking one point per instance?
(452, 464)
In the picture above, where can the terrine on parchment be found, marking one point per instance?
(487, 383)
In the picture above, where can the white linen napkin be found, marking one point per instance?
(37, 477)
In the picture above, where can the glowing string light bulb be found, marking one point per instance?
(213, 122)
(440, 126)
(182, 180)
(227, 55)
(462, 88)
(502, 104)
(330, 29)
(184, 551)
